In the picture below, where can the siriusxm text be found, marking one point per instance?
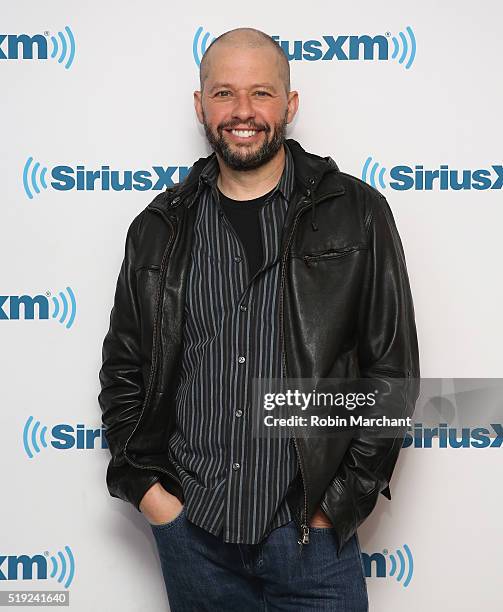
(443, 178)
(336, 48)
(66, 178)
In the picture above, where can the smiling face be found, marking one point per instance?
(243, 106)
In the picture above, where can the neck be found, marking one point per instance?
(250, 184)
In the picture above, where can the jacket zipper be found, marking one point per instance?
(304, 533)
(155, 345)
(304, 526)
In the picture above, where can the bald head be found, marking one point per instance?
(242, 38)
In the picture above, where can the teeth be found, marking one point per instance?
(244, 133)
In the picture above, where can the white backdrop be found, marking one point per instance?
(118, 93)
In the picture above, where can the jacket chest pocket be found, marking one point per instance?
(311, 259)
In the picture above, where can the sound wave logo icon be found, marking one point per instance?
(33, 177)
(64, 308)
(369, 174)
(65, 48)
(402, 567)
(200, 44)
(64, 565)
(34, 437)
(404, 47)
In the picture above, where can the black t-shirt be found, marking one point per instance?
(244, 217)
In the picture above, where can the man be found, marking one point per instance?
(265, 262)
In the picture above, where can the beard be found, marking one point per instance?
(244, 157)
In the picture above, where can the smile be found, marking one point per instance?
(244, 133)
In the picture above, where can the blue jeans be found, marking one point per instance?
(201, 572)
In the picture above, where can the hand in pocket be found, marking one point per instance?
(159, 506)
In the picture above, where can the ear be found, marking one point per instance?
(293, 105)
(198, 105)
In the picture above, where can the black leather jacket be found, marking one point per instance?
(345, 311)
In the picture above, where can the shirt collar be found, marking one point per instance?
(211, 170)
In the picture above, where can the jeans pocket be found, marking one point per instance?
(170, 523)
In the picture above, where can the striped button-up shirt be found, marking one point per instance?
(234, 483)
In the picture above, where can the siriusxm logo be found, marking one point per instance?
(452, 437)
(60, 566)
(39, 47)
(200, 44)
(66, 178)
(63, 436)
(344, 47)
(442, 178)
(399, 565)
(23, 307)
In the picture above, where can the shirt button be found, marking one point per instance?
(243, 307)
(237, 258)
(239, 412)
(241, 359)
(235, 466)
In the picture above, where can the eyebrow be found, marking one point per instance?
(262, 85)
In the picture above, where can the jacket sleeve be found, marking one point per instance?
(122, 386)
(387, 350)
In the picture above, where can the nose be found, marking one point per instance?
(243, 107)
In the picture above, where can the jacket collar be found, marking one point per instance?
(316, 177)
